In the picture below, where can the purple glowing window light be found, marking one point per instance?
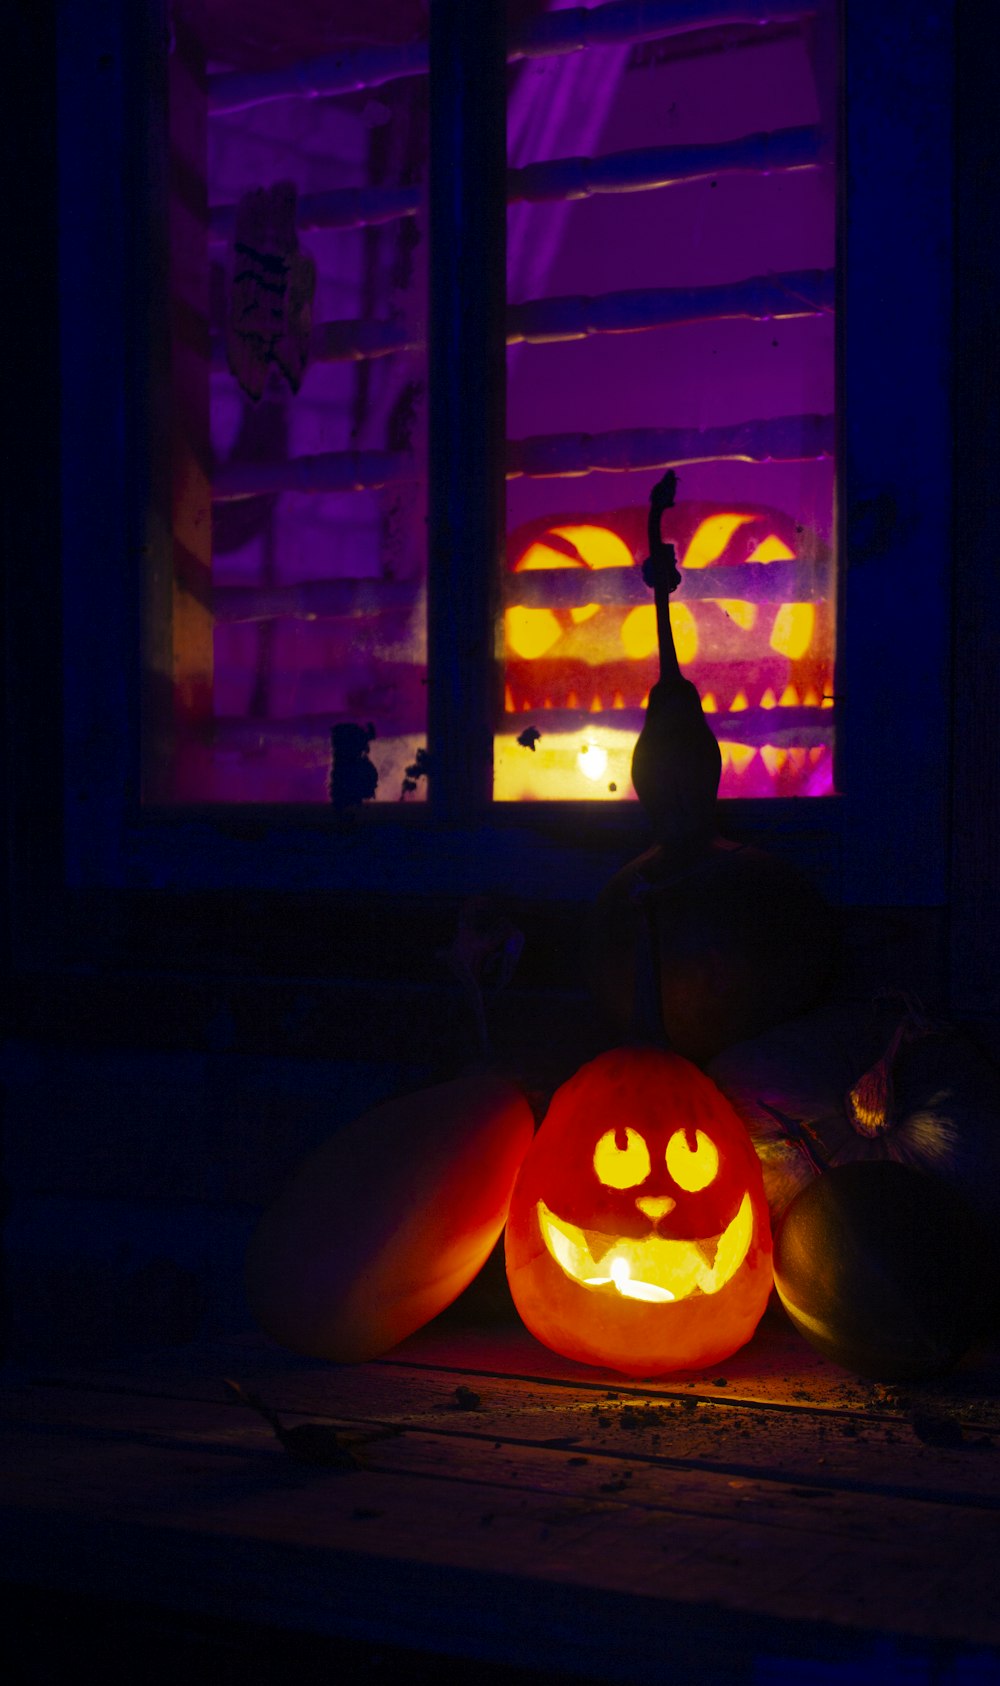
(689, 322)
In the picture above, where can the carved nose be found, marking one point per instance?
(653, 1208)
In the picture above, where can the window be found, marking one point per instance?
(115, 311)
(671, 277)
(671, 288)
(298, 291)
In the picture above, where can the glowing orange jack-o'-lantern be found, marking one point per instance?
(638, 1233)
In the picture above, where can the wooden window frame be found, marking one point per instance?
(84, 838)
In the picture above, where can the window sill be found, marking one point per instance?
(562, 852)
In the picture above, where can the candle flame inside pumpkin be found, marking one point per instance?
(654, 1267)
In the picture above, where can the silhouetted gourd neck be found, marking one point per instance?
(676, 763)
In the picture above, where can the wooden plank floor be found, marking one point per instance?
(775, 1518)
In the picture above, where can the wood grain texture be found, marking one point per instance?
(567, 1520)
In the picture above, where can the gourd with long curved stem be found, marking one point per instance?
(676, 763)
(744, 940)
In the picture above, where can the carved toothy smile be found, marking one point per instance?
(655, 1268)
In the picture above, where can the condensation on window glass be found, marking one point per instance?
(687, 322)
(298, 283)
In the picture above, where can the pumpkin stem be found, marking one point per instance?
(870, 1104)
(661, 573)
(798, 1133)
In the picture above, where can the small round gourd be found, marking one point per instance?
(385, 1224)
(886, 1271)
(638, 1236)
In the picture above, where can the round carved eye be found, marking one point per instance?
(621, 1159)
(692, 1167)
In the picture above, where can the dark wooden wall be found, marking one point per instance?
(975, 779)
(168, 1053)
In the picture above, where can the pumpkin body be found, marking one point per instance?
(638, 1235)
(795, 1089)
(744, 939)
(386, 1224)
(885, 1270)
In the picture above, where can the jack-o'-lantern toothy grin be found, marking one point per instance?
(654, 1268)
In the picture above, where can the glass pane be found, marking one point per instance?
(298, 283)
(690, 323)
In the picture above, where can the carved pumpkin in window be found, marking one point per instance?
(638, 1234)
(741, 654)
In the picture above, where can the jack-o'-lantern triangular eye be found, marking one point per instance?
(692, 1160)
(621, 1159)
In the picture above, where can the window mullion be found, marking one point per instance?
(467, 396)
